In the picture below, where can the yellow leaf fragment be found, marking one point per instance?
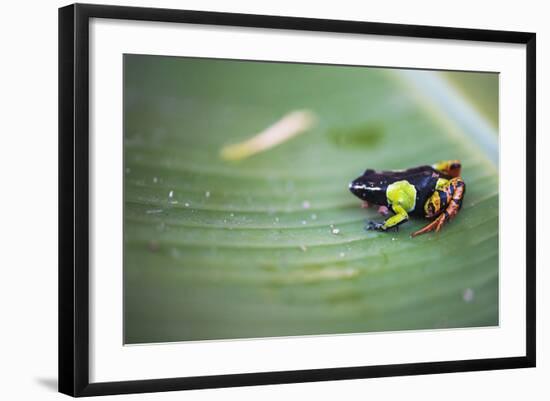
(292, 124)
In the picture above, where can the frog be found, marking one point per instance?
(434, 192)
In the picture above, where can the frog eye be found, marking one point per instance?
(369, 171)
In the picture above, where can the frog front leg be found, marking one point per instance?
(445, 203)
(401, 197)
(400, 217)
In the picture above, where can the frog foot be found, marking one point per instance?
(379, 226)
(375, 226)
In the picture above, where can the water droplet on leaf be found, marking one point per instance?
(468, 295)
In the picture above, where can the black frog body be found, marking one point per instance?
(373, 185)
(430, 191)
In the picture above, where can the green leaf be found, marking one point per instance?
(216, 249)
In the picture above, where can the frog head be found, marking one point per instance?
(369, 187)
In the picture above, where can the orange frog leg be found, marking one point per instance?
(450, 168)
(445, 203)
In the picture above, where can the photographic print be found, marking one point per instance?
(270, 199)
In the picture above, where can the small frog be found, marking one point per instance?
(434, 192)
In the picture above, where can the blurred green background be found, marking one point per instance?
(245, 249)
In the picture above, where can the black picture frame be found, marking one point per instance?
(74, 194)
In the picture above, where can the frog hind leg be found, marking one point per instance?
(445, 203)
(451, 168)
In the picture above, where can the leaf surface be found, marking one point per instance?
(216, 249)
